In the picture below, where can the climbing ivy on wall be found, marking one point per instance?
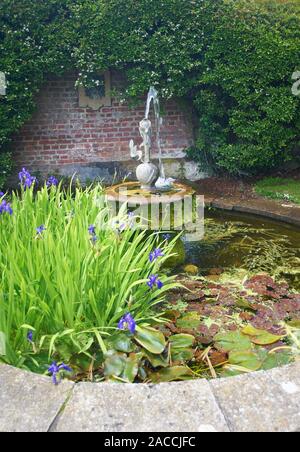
(232, 59)
(33, 43)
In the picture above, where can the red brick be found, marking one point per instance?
(61, 133)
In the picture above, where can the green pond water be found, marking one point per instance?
(241, 244)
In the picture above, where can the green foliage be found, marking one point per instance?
(279, 188)
(33, 44)
(232, 59)
(249, 119)
(69, 290)
(5, 167)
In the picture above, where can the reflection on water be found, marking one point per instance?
(233, 241)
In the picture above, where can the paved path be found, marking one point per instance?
(257, 402)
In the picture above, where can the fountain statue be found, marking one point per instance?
(147, 173)
(152, 188)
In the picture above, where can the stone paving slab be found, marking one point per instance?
(261, 401)
(29, 402)
(256, 402)
(176, 407)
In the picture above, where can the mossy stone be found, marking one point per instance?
(179, 258)
(191, 270)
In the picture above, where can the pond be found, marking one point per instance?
(113, 311)
(253, 244)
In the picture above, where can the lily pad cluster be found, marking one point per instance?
(237, 328)
(146, 355)
(212, 333)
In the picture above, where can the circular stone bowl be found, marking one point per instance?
(133, 194)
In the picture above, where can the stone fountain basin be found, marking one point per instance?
(133, 194)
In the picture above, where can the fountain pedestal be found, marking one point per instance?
(147, 174)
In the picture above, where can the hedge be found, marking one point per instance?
(233, 60)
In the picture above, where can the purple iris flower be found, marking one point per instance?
(94, 239)
(1, 194)
(92, 232)
(127, 322)
(26, 179)
(5, 207)
(120, 227)
(155, 255)
(30, 336)
(52, 182)
(92, 229)
(55, 371)
(167, 237)
(40, 229)
(131, 219)
(154, 281)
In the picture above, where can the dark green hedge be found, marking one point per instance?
(249, 118)
(232, 59)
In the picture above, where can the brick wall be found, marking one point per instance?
(61, 134)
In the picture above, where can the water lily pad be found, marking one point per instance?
(277, 360)
(175, 373)
(272, 360)
(260, 337)
(181, 340)
(151, 339)
(122, 343)
(232, 342)
(114, 364)
(182, 355)
(189, 320)
(181, 347)
(246, 359)
(131, 367)
(156, 360)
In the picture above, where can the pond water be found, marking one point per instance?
(235, 242)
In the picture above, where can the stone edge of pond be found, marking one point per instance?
(286, 213)
(265, 401)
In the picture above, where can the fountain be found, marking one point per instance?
(147, 173)
(153, 186)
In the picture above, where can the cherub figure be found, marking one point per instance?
(146, 132)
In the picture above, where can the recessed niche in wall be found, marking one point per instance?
(98, 96)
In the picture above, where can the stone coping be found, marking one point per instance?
(265, 401)
(285, 212)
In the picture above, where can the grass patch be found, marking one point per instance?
(279, 188)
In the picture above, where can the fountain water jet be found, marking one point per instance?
(147, 173)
